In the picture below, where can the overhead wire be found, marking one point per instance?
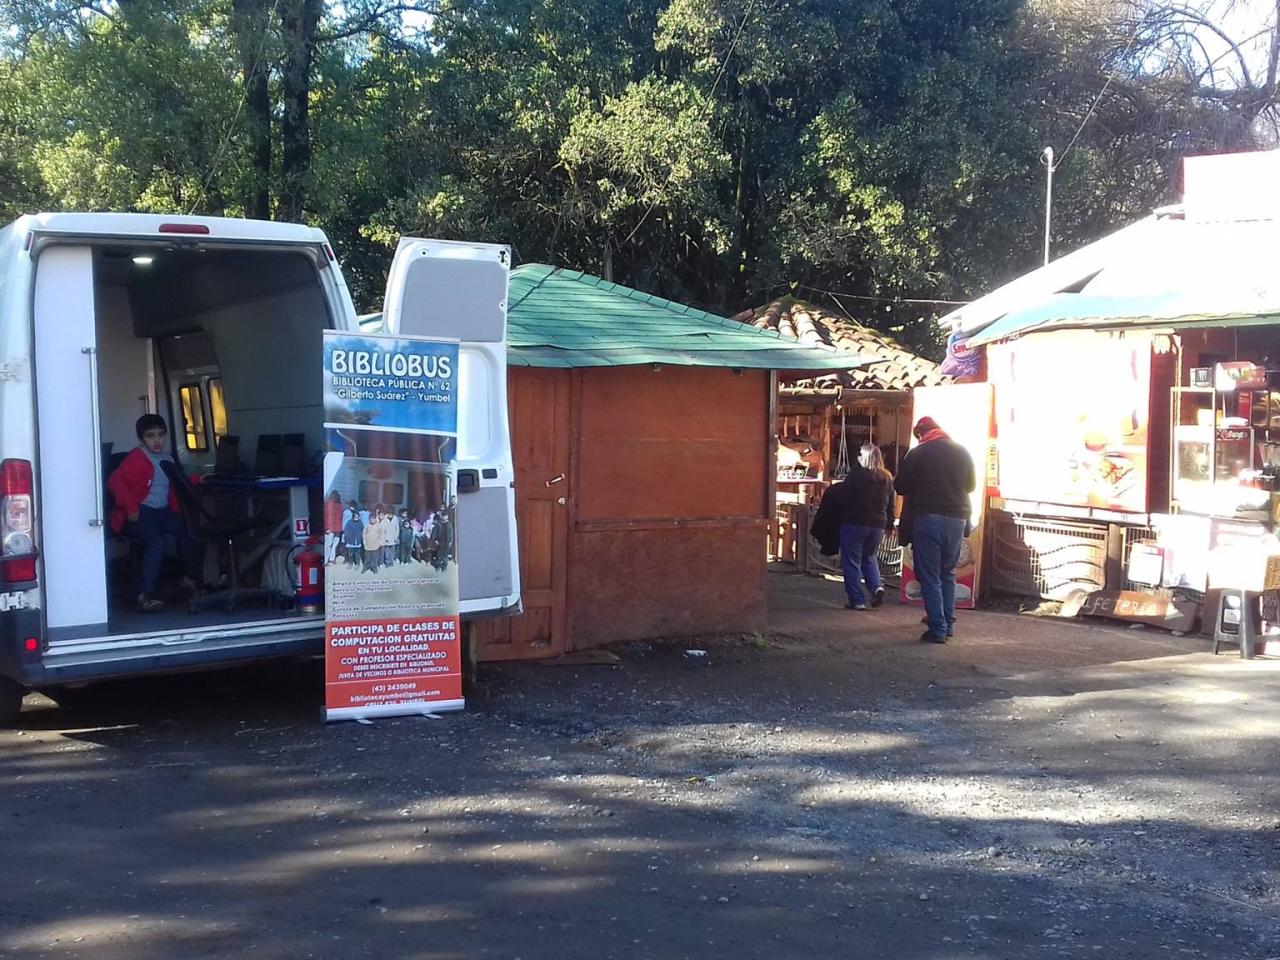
(875, 299)
(235, 117)
(720, 74)
(1133, 38)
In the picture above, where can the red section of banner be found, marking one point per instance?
(405, 661)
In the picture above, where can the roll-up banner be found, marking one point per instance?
(392, 631)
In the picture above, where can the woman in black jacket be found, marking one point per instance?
(862, 506)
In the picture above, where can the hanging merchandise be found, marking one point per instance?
(842, 457)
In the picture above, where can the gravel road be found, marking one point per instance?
(1033, 789)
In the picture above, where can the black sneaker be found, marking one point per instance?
(930, 637)
(951, 627)
(877, 596)
(148, 604)
(854, 606)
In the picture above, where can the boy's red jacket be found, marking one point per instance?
(129, 486)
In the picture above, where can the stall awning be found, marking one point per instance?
(1170, 309)
(564, 318)
(1165, 271)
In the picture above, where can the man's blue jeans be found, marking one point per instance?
(935, 550)
(858, 546)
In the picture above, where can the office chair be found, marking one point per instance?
(123, 549)
(204, 526)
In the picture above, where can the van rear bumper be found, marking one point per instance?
(81, 663)
(16, 628)
(56, 668)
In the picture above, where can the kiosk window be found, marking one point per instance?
(192, 399)
(392, 493)
(217, 408)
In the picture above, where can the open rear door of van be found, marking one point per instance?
(458, 291)
(71, 457)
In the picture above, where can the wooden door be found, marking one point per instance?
(538, 401)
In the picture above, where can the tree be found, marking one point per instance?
(250, 26)
(1233, 67)
(123, 110)
(718, 152)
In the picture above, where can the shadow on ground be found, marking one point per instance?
(1035, 789)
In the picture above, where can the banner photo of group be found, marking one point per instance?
(392, 631)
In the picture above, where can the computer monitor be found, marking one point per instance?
(267, 461)
(292, 460)
(227, 459)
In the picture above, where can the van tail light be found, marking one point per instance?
(198, 229)
(16, 526)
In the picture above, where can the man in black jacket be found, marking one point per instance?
(935, 480)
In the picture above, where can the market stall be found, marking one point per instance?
(824, 418)
(1137, 410)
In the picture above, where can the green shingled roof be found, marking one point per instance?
(563, 318)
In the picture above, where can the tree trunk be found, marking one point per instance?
(249, 25)
(1273, 57)
(298, 22)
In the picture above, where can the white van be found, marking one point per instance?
(216, 324)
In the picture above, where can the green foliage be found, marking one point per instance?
(127, 114)
(719, 152)
(652, 146)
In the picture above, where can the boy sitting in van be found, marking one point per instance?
(142, 497)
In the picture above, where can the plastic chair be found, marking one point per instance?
(1237, 622)
(205, 526)
(123, 548)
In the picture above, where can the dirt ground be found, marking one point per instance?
(837, 789)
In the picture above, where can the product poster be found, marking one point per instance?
(1068, 433)
(963, 411)
(392, 631)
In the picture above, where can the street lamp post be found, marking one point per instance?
(1046, 157)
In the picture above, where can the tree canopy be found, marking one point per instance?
(880, 154)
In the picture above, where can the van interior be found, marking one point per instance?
(225, 344)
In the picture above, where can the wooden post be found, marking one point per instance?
(825, 472)
(1114, 572)
(801, 519)
(470, 658)
(771, 445)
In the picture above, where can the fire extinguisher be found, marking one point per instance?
(308, 577)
